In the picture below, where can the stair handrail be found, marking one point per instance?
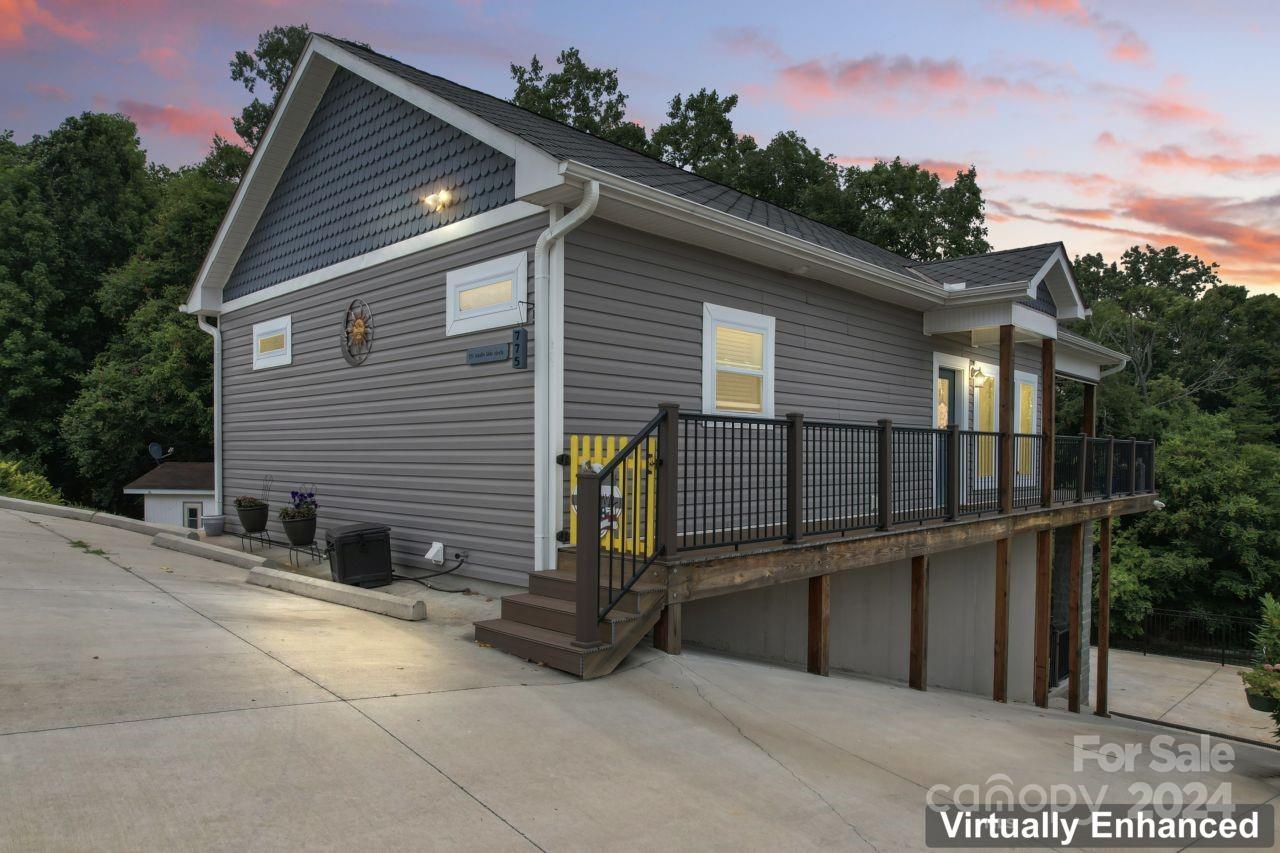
(634, 460)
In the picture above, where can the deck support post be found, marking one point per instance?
(919, 667)
(795, 477)
(666, 633)
(1090, 425)
(1075, 618)
(587, 583)
(668, 478)
(885, 475)
(819, 659)
(1005, 461)
(1043, 596)
(1104, 615)
(1000, 678)
(1048, 417)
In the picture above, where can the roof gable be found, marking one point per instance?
(190, 476)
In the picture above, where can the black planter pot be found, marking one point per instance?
(1258, 702)
(301, 531)
(253, 519)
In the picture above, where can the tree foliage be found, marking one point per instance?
(270, 63)
(578, 95)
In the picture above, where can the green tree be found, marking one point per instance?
(271, 63)
(698, 133)
(580, 96)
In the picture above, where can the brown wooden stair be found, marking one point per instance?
(538, 625)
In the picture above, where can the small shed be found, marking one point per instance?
(178, 493)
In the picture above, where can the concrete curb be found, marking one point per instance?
(76, 513)
(339, 593)
(211, 552)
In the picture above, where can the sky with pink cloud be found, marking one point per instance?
(1099, 124)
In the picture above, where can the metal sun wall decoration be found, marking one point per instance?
(357, 332)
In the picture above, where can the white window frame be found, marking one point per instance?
(267, 328)
(714, 316)
(1023, 377)
(992, 370)
(199, 508)
(511, 313)
(960, 365)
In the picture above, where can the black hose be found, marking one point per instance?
(422, 579)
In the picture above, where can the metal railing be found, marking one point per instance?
(690, 481)
(1213, 637)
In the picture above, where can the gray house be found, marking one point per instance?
(487, 329)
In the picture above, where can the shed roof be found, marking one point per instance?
(189, 476)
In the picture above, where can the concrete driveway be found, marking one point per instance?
(154, 701)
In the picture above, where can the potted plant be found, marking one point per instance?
(252, 513)
(1262, 680)
(299, 518)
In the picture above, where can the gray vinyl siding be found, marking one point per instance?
(633, 336)
(414, 437)
(355, 182)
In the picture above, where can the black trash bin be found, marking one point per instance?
(360, 554)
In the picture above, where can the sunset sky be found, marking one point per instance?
(1099, 124)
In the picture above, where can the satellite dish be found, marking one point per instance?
(158, 453)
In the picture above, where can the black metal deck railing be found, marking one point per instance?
(691, 481)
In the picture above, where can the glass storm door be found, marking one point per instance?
(946, 414)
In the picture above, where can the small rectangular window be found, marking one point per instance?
(486, 296)
(273, 343)
(737, 361)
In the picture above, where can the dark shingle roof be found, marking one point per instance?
(1003, 267)
(196, 476)
(566, 143)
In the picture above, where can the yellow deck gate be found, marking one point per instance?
(629, 513)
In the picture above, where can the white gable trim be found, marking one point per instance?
(1066, 294)
(535, 170)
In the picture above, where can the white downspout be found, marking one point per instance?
(216, 333)
(548, 378)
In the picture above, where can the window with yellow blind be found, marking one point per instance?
(737, 361)
(986, 419)
(1026, 387)
(273, 343)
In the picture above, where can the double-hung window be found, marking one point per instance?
(486, 296)
(737, 361)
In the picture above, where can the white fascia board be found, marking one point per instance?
(1037, 322)
(1068, 299)
(512, 212)
(192, 492)
(1004, 292)
(988, 315)
(801, 252)
(1085, 348)
(535, 170)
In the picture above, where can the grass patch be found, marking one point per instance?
(87, 548)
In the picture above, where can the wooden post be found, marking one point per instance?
(1074, 618)
(587, 602)
(820, 624)
(1000, 680)
(885, 475)
(1044, 593)
(953, 472)
(1104, 614)
(668, 479)
(1005, 479)
(1090, 425)
(1048, 417)
(666, 633)
(795, 477)
(918, 675)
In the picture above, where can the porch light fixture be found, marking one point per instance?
(438, 200)
(975, 371)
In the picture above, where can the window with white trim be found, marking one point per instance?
(1026, 387)
(486, 296)
(737, 361)
(273, 343)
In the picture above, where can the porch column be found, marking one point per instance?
(666, 633)
(1000, 681)
(819, 659)
(1005, 481)
(1043, 595)
(919, 623)
(1074, 618)
(1048, 418)
(1090, 425)
(1104, 615)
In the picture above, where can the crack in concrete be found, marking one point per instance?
(1169, 710)
(690, 674)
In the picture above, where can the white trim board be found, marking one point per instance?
(192, 492)
(960, 364)
(513, 212)
(714, 315)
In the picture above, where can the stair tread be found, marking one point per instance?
(561, 605)
(544, 636)
(571, 577)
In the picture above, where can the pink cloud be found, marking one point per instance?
(1106, 139)
(17, 17)
(1124, 44)
(202, 122)
(49, 91)
(165, 61)
(749, 41)
(1177, 158)
(945, 169)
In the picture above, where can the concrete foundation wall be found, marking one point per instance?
(870, 620)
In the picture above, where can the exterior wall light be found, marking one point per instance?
(975, 371)
(438, 200)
